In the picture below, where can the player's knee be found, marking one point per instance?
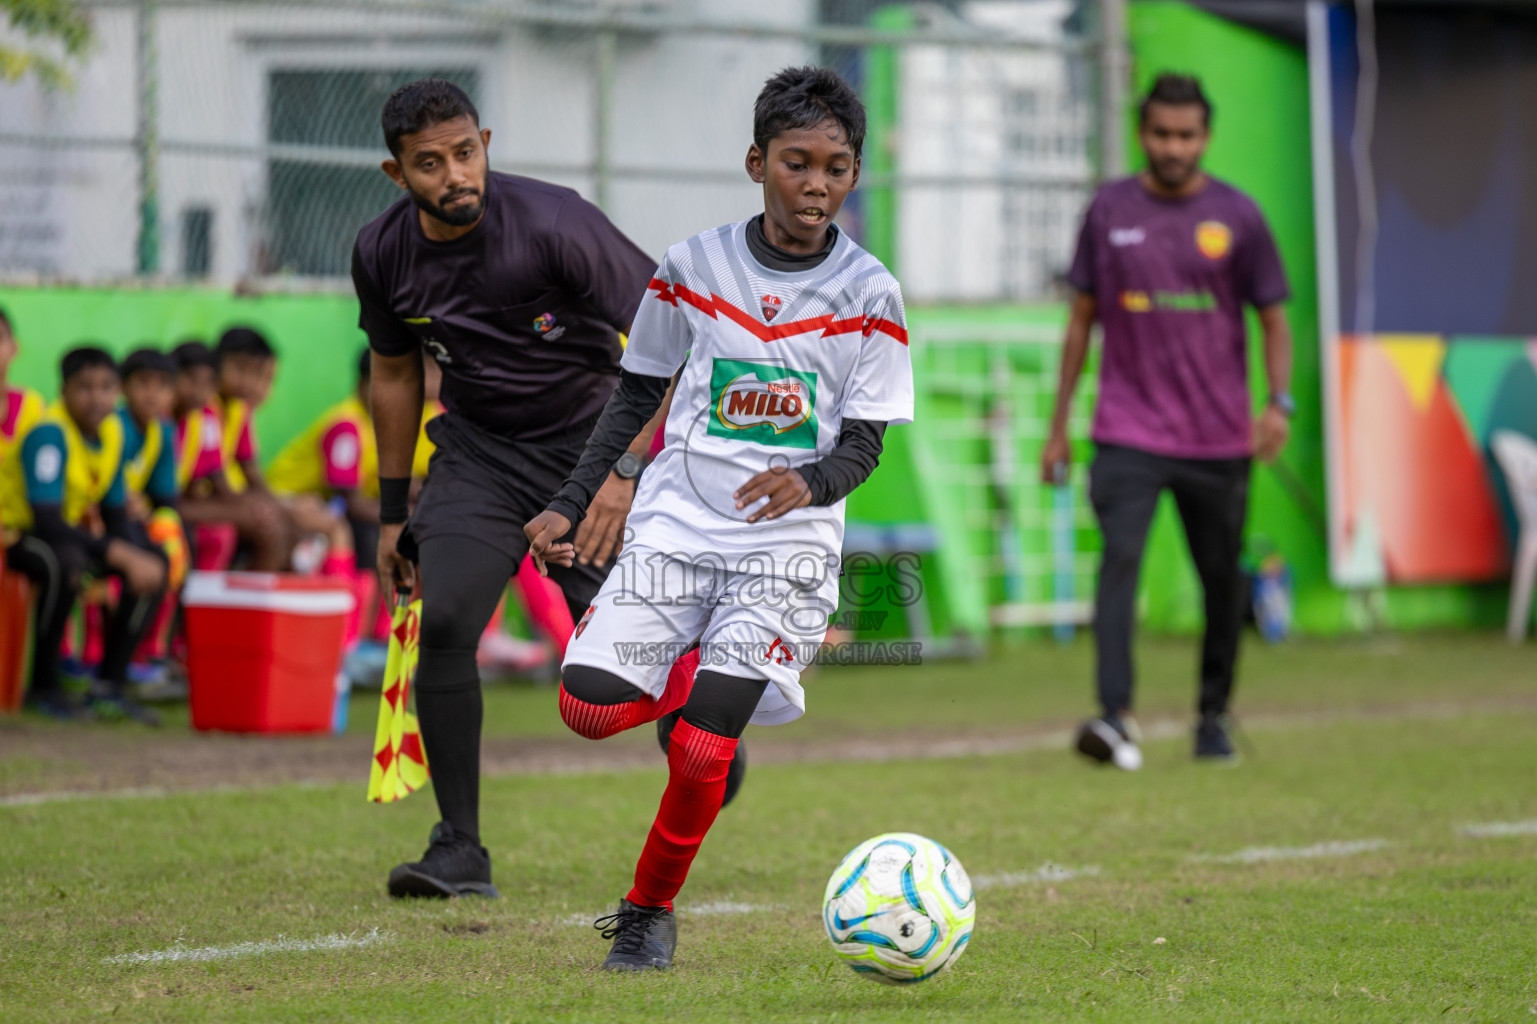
(447, 625)
(697, 755)
(595, 703)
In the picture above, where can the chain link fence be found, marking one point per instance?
(224, 141)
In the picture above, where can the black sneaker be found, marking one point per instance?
(1110, 739)
(60, 705)
(1212, 742)
(454, 865)
(109, 708)
(644, 937)
(734, 774)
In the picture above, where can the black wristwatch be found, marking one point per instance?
(628, 467)
(1285, 402)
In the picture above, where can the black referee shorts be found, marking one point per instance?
(486, 488)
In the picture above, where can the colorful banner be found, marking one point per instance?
(1424, 242)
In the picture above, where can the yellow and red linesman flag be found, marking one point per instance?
(400, 764)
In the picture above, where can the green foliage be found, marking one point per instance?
(50, 26)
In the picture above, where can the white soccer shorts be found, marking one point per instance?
(654, 606)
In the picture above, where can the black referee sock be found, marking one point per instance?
(450, 718)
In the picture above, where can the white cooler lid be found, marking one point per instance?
(263, 591)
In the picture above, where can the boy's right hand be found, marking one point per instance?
(544, 532)
(394, 568)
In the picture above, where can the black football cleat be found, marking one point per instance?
(644, 938)
(1110, 739)
(1212, 742)
(734, 774)
(454, 865)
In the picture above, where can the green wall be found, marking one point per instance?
(1261, 143)
(316, 336)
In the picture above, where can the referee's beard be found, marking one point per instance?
(460, 215)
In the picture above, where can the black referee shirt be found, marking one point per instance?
(523, 313)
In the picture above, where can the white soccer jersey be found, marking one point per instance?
(776, 362)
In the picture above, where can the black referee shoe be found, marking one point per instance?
(454, 865)
(644, 937)
(1212, 742)
(734, 774)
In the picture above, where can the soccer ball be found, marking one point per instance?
(899, 908)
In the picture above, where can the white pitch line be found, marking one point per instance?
(1045, 873)
(1260, 854)
(279, 945)
(1494, 829)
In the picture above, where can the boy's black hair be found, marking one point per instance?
(804, 98)
(84, 357)
(189, 355)
(243, 341)
(365, 364)
(1176, 90)
(146, 360)
(421, 104)
(5, 322)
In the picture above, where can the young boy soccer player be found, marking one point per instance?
(246, 366)
(69, 462)
(149, 439)
(207, 498)
(20, 408)
(797, 360)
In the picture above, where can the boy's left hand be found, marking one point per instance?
(784, 488)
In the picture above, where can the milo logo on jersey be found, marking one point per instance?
(763, 402)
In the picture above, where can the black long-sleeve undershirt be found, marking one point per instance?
(834, 476)
(638, 397)
(630, 408)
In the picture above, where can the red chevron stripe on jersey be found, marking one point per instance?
(714, 304)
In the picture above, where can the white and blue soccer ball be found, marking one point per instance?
(899, 908)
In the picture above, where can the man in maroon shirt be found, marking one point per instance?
(1166, 261)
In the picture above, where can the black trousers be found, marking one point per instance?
(57, 570)
(1213, 497)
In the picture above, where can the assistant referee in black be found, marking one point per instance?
(520, 290)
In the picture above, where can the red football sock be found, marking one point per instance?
(697, 762)
(600, 721)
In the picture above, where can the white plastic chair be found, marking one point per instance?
(1517, 456)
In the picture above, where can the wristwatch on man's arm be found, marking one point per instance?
(629, 466)
(1285, 402)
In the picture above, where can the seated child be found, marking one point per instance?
(207, 498)
(68, 463)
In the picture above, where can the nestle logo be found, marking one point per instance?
(1127, 236)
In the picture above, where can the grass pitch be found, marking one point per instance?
(1330, 877)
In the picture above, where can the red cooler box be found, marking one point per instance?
(264, 650)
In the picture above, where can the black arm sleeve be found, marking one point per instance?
(631, 408)
(49, 526)
(115, 519)
(850, 464)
